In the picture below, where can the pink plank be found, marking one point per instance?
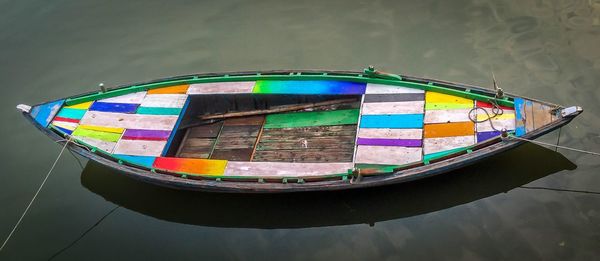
(390, 142)
(133, 134)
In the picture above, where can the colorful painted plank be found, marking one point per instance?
(506, 115)
(392, 121)
(486, 135)
(178, 89)
(191, 166)
(43, 114)
(114, 107)
(433, 145)
(394, 97)
(440, 101)
(309, 87)
(158, 111)
(100, 144)
(102, 128)
(80, 106)
(133, 98)
(164, 100)
(98, 135)
(447, 116)
(387, 154)
(71, 113)
(448, 129)
(65, 125)
(508, 124)
(144, 161)
(66, 119)
(431, 156)
(519, 115)
(311, 118)
(488, 105)
(134, 134)
(390, 142)
(410, 107)
(285, 169)
(140, 147)
(390, 133)
(67, 131)
(221, 88)
(129, 121)
(373, 88)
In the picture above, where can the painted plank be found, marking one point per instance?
(508, 124)
(436, 97)
(81, 106)
(65, 125)
(486, 135)
(191, 166)
(164, 100)
(433, 145)
(114, 107)
(140, 147)
(448, 129)
(374, 88)
(390, 142)
(71, 113)
(133, 98)
(410, 107)
(66, 119)
(43, 114)
(387, 154)
(439, 154)
(447, 106)
(176, 127)
(311, 118)
(309, 87)
(221, 88)
(391, 133)
(145, 161)
(158, 111)
(100, 144)
(392, 121)
(129, 121)
(541, 115)
(178, 89)
(134, 134)
(519, 115)
(102, 128)
(376, 168)
(488, 105)
(394, 97)
(67, 131)
(481, 116)
(98, 135)
(285, 169)
(529, 117)
(447, 116)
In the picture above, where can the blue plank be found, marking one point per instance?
(44, 113)
(145, 161)
(520, 125)
(63, 130)
(392, 121)
(114, 107)
(181, 114)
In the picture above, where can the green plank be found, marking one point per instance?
(378, 167)
(99, 135)
(71, 113)
(158, 111)
(440, 154)
(311, 118)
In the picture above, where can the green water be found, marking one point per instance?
(544, 49)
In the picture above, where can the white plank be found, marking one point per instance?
(408, 107)
(132, 98)
(129, 121)
(447, 116)
(164, 100)
(433, 145)
(285, 169)
(373, 88)
(221, 87)
(140, 147)
(390, 133)
(508, 124)
(387, 155)
(65, 124)
(100, 144)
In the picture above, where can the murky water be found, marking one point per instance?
(544, 49)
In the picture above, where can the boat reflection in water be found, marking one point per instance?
(299, 210)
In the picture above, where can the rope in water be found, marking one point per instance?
(554, 145)
(35, 195)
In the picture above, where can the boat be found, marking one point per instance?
(293, 130)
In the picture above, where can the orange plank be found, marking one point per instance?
(191, 166)
(179, 89)
(448, 129)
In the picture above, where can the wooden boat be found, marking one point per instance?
(290, 131)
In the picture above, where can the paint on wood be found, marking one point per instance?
(311, 118)
(71, 113)
(133, 98)
(176, 127)
(541, 115)
(447, 106)
(67, 131)
(285, 169)
(129, 121)
(191, 166)
(436, 97)
(133, 134)
(80, 106)
(65, 125)
(519, 115)
(391, 133)
(507, 115)
(410, 107)
(144, 161)
(449, 129)
(394, 97)
(447, 116)
(140, 147)
(489, 106)
(529, 117)
(102, 128)
(100, 144)
(376, 168)
(433, 145)
(440, 154)
(373, 88)
(309, 87)
(99, 135)
(486, 135)
(387, 154)
(498, 124)
(61, 119)
(158, 111)
(178, 89)
(164, 100)
(390, 142)
(221, 88)
(392, 121)
(114, 107)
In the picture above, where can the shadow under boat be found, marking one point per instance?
(498, 174)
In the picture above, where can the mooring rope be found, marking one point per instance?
(35, 195)
(554, 145)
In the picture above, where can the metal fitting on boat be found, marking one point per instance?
(102, 88)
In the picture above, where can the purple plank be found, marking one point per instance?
(114, 107)
(486, 135)
(390, 142)
(132, 134)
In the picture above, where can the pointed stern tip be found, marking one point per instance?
(24, 108)
(571, 112)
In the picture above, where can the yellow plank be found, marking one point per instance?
(436, 97)
(179, 89)
(81, 106)
(102, 128)
(481, 116)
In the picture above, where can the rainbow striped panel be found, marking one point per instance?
(309, 87)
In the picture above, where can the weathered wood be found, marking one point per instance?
(199, 143)
(390, 142)
(134, 98)
(100, 144)
(529, 116)
(232, 154)
(304, 155)
(307, 119)
(205, 131)
(409, 107)
(541, 115)
(280, 169)
(315, 131)
(178, 89)
(520, 117)
(433, 145)
(164, 100)
(242, 121)
(373, 88)
(129, 121)
(447, 116)
(221, 88)
(392, 121)
(394, 97)
(140, 147)
(508, 124)
(448, 129)
(391, 133)
(393, 155)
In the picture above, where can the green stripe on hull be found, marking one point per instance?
(99, 135)
(158, 111)
(311, 119)
(440, 154)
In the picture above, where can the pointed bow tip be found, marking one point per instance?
(24, 108)
(571, 111)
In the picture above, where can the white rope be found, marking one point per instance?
(554, 145)
(34, 196)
